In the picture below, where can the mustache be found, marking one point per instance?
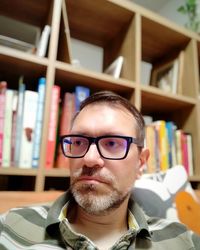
(92, 171)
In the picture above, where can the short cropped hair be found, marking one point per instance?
(114, 99)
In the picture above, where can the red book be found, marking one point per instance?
(184, 152)
(3, 87)
(53, 122)
(67, 113)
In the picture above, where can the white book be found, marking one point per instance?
(28, 127)
(43, 43)
(115, 67)
(6, 156)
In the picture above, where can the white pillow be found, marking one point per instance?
(155, 193)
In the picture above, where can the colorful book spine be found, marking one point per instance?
(163, 144)
(151, 145)
(81, 93)
(179, 157)
(19, 119)
(28, 127)
(68, 111)
(14, 122)
(52, 129)
(3, 87)
(171, 128)
(6, 161)
(190, 154)
(184, 149)
(39, 122)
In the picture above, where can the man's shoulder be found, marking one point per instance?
(164, 229)
(21, 215)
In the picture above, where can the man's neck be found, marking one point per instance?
(102, 229)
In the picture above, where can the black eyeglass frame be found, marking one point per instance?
(95, 140)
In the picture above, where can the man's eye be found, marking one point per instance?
(111, 143)
(77, 143)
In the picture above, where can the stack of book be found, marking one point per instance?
(168, 147)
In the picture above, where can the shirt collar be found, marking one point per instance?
(137, 218)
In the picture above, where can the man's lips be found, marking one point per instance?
(91, 179)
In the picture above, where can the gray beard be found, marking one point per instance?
(89, 200)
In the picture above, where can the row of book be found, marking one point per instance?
(168, 147)
(60, 123)
(21, 122)
(21, 117)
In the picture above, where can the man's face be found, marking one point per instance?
(99, 184)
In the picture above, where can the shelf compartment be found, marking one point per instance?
(20, 63)
(32, 12)
(155, 100)
(156, 46)
(67, 76)
(98, 27)
(111, 29)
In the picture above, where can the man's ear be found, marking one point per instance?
(143, 158)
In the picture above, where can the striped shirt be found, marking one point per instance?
(45, 228)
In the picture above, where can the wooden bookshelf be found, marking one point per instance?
(120, 28)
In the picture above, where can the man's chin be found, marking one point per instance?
(95, 201)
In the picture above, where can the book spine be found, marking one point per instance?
(29, 120)
(7, 129)
(3, 87)
(19, 119)
(39, 122)
(190, 154)
(51, 141)
(68, 111)
(81, 93)
(14, 121)
(43, 43)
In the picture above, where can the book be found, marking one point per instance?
(67, 114)
(39, 122)
(184, 149)
(115, 67)
(145, 73)
(19, 119)
(160, 126)
(165, 76)
(7, 129)
(28, 128)
(150, 140)
(14, 123)
(3, 87)
(171, 128)
(52, 128)
(190, 154)
(179, 157)
(43, 42)
(81, 93)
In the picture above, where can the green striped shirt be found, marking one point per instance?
(42, 228)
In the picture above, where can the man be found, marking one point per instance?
(105, 146)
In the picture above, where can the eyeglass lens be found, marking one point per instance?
(109, 147)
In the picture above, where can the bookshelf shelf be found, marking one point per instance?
(57, 172)
(14, 54)
(68, 73)
(18, 171)
(119, 28)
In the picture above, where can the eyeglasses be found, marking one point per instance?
(109, 147)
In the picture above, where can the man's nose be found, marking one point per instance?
(92, 157)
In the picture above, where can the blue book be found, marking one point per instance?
(81, 93)
(39, 122)
(19, 119)
(171, 128)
